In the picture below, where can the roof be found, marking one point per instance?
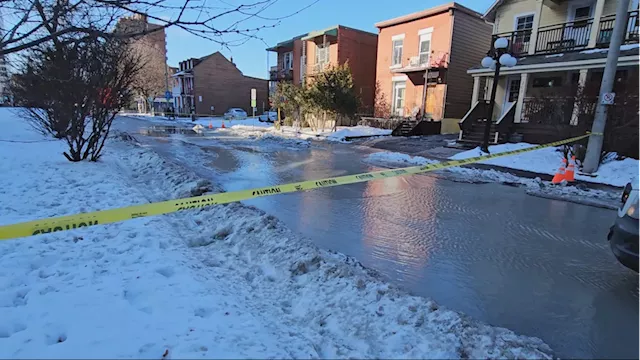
(590, 54)
(490, 14)
(331, 31)
(286, 43)
(427, 13)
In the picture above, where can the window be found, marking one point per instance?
(547, 82)
(425, 48)
(581, 16)
(397, 52)
(322, 53)
(514, 89)
(524, 24)
(397, 106)
(288, 61)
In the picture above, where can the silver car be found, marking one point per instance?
(235, 113)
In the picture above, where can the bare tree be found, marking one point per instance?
(29, 23)
(74, 92)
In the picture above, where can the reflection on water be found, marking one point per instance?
(168, 130)
(536, 266)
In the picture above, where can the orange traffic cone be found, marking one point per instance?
(560, 175)
(571, 170)
(210, 125)
(222, 124)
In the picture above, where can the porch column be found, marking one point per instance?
(522, 92)
(582, 79)
(487, 88)
(595, 27)
(476, 90)
(534, 30)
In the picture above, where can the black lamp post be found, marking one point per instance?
(497, 57)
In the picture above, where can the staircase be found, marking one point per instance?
(404, 128)
(474, 135)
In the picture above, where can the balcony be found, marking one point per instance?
(606, 29)
(518, 41)
(317, 68)
(568, 36)
(276, 74)
(435, 60)
(187, 92)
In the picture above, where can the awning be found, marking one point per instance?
(332, 31)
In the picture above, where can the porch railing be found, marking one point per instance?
(568, 36)
(547, 110)
(518, 41)
(606, 29)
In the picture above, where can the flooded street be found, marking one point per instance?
(536, 266)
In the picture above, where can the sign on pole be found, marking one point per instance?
(167, 95)
(608, 98)
(253, 98)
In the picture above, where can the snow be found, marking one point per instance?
(604, 50)
(220, 282)
(554, 55)
(548, 160)
(536, 186)
(253, 127)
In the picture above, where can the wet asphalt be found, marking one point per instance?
(537, 266)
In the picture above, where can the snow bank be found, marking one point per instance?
(221, 282)
(607, 199)
(604, 50)
(548, 160)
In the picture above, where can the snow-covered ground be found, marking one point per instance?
(221, 282)
(253, 127)
(548, 160)
(602, 198)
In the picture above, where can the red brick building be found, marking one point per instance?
(423, 58)
(305, 56)
(214, 82)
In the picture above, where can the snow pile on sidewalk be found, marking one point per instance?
(222, 282)
(548, 160)
(581, 194)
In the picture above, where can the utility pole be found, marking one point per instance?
(592, 158)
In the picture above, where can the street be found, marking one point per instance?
(536, 266)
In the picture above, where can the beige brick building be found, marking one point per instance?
(213, 84)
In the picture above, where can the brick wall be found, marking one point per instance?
(222, 85)
(440, 42)
(359, 49)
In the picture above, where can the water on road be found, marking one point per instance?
(539, 267)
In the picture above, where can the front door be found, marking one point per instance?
(511, 93)
(397, 106)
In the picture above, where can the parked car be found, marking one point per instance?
(623, 235)
(269, 116)
(235, 113)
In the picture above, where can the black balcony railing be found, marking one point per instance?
(281, 74)
(606, 29)
(518, 41)
(568, 36)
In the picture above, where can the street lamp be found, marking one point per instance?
(495, 59)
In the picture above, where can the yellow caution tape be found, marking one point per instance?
(102, 217)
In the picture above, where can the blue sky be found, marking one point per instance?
(251, 57)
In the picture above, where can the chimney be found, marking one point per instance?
(231, 59)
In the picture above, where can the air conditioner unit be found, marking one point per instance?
(414, 61)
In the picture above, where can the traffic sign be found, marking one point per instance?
(253, 98)
(608, 98)
(167, 95)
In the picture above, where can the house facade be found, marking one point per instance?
(213, 84)
(561, 47)
(305, 56)
(423, 58)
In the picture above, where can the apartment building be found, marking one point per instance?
(423, 58)
(212, 84)
(305, 56)
(561, 46)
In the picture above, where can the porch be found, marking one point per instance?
(548, 106)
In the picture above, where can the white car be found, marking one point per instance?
(269, 116)
(623, 235)
(235, 113)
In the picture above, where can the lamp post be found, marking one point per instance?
(497, 57)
